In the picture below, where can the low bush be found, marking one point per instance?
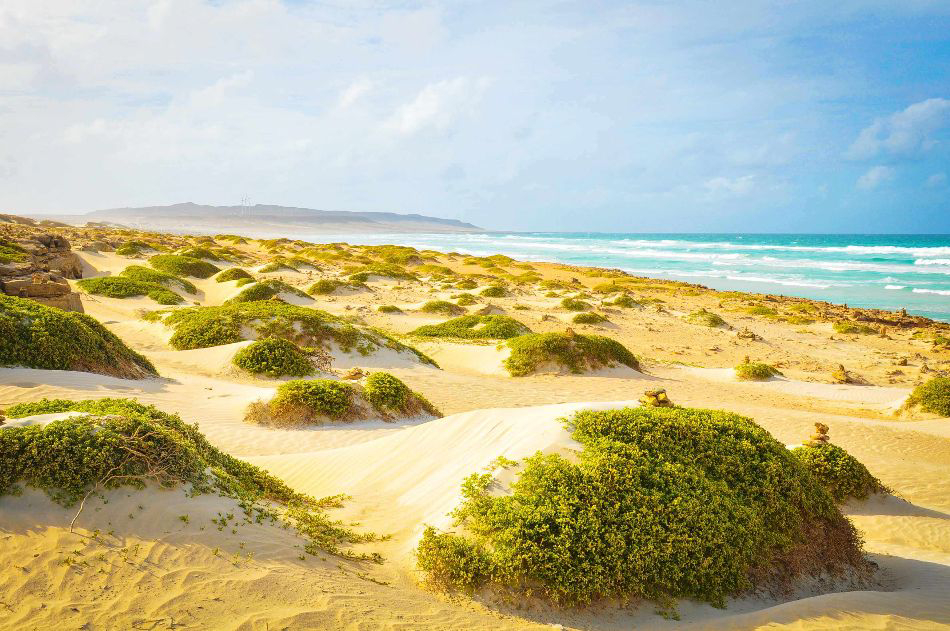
(183, 265)
(756, 371)
(392, 397)
(441, 307)
(276, 266)
(466, 283)
(132, 248)
(589, 318)
(265, 290)
(10, 252)
(495, 291)
(933, 396)
(705, 318)
(388, 309)
(573, 304)
(122, 443)
(847, 327)
(386, 270)
(327, 286)
(148, 275)
(37, 336)
(577, 353)
(626, 301)
(475, 327)
(232, 273)
(201, 327)
(660, 504)
(839, 472)
(761, 310)
(274, 357)
(197, 252)
(120, 287)
(465, 300)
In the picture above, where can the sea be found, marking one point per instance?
(860, 270)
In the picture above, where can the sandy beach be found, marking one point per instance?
(157, 561)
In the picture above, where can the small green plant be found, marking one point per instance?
(265, 290)
(839, 472)
(466, 283)
(705, 318)
(10, 252)
(573, 304)
(574, 352)
(132, 248)
(119, 287)
(183, 265)
(761, 310)
(388, 309)
(932, 397)
(475, 327)
(755, 371)
(386, 270)
(495, 291)
(626, 301)
(441, 307)
(465, 300)
(148, 275)
(327, 286)
(37, 336)
(589, 318)
(274, 357)
(232, 273)
(197, 252)
(847, 327)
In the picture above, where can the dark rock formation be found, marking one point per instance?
(41, 274)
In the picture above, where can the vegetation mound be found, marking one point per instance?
(589, 317)
(198, 252)
(441, 307)
(265, 290)
(37, 336)
(11, 252)
(494, 291)
(122, 443)
(705, 318)
(388, 309)
(839, 472)
(574, 352)
(274, 357)
(232, 273)
(854, 328)
(319, 401)
(386, 270)
(327, 286)
(132, 248)
(756, 371)
(661, 504)
(201, 327)
(475, 327)
(183, 265)
(933, 396)
(121, 287)
(148, 275)
(573, 304)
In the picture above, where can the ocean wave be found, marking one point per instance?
(932, 262)
(895, 286)
(940, 292)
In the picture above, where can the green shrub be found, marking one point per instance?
(626, 301)
(201, 327)
(10, 252)
(661, 504)
(132, 248)
(705, 318)
(232, 273)
(756, 371)
(120, 287)
(312, 401)
(607, 288)
(326, 286)
(196, 252)
(933, 396)
(390, 396)
(442, 307)
(577, 353)
(495, 291)
(147, 275)
(245, 281)
(122, 443)
(466, 283)
(183, 265)
(573, 304)
(588, 318)
(276, 266)
(839, 472)
(387, 270)
(465, 300)
(265, 290)
(274, 357)
(389, 309)
(761, 310)
(472, 327)
(847, 327)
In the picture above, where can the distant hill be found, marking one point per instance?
(269, 219)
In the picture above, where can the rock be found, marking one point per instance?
(820, 437)
(902, 361)
(840, 375)
(656, 398)
(354, 374)
(746, 334)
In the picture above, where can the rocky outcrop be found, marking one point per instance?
(46, 262)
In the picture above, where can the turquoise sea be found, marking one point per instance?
(883, 271)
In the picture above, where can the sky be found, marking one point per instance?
(687, 116)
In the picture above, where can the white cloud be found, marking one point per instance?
(736, 186)
(437, 105)
(905, 132)
(354, 92)
(874, 177)
(936, 180)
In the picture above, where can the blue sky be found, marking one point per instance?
(607, 116)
